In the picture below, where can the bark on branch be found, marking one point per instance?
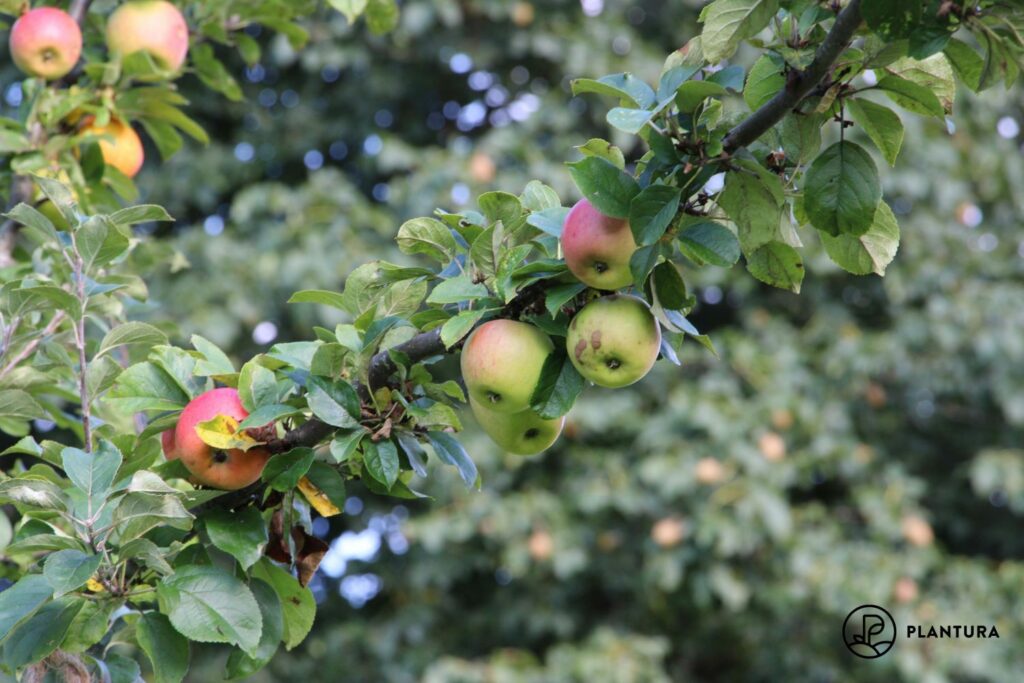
(800, 83)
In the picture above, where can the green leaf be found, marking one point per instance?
(352, 9)
(240, 664)
(967, 64)
(559, 295)
(727, 22)
(88, 627)
(215, 363)
(459, 326)
(642, 262)
(537, 196)
(209, 605)
(629, 89)
(336, 403)
(257, 385)
(777, 264)
(297, 602)
(283, 471)
(629, 120)
(143, 213)
(881, 124)
(457, 290)
(146, 553)
(212, 72)
(609, 189)
(450, 451)
(651, 212)
(144, 386)
(61, 196)
(381, 461)
(668, 286)
(764, 80)
(753, 201)
(137, 513)
(166, 648)
(30, 217)
(68, 570)
(911, 96)
(842, 190)
(549, 220)
(36, 493)
(870, 252)
(381, 16)
(709, 242)
(265, 415)
(319, 296)
(345, 444)
(891, 19)
(500, 206)
(42, 634)
(429, 237)
(558, 387)
(20, 404)
(241, 534)
(329, 481)
(130, 333)
(21, 601)
(692, 93)
(935, 74)
(92, 473)
(801, 136)
(596, 147)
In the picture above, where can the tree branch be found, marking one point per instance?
(799, 84)
(797, 87)
(78, 9)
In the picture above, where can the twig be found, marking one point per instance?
(31, 346)
(799, 84)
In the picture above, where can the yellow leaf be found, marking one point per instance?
(95, 586)
(317, 499)
(222, 433)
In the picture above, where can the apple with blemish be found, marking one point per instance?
(155, 27)
(223, 469)
(613, 341)
(502, 363)
(522, 433)
(597, 248)
(45, 43)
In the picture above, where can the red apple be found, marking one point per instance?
(222, 469)
(46, 43)
(597, 248)
(153, 26)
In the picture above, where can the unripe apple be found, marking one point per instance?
(613, 341)
(46, 43)
(502, 362)
(153, 26)
(170, 447)
(120, 145)
(522, 433)
(222, 469)
(597, 248)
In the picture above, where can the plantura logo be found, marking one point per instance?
(869, 631)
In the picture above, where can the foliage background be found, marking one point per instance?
(858, 443)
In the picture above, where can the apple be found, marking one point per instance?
(222, 469)
(502, 362)
(153, 26)
(120, 145)
(168, 444)
(597, 248)
(613, 341)
(522, 433)
(46, 43)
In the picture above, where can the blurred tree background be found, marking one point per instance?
(860, 443)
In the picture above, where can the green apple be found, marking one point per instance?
(613, 341)
(522, 433)
(597, 248)
(502, 362)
